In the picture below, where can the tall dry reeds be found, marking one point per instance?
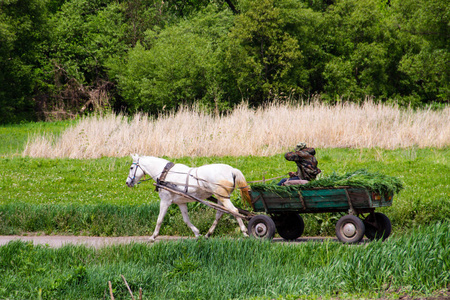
(264, 131)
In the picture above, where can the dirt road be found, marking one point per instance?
(56, 241)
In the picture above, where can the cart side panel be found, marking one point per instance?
(325, 199)
(306, 201)
(360, 198)
(272, 202)
(318, 200)
(257, 201)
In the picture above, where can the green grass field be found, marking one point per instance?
(49, 194)
(89, 197)
(415, 264)
(14, 137)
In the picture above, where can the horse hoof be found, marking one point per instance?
(151, 239)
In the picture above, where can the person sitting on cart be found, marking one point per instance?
(306, 165)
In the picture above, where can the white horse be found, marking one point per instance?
(216, 179)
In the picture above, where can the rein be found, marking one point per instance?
(268, 179)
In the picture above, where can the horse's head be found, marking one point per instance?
(136, 172)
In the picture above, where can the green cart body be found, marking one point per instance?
(285, 208)
(319, 200)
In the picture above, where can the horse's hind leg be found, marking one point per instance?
(214, 224)
(242, 226)
(184, 213)
(163, 206)
(227, 203)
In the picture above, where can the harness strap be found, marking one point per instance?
(234, 179)
(264, 180)
(186, 187)
(164, 173)
(169, 165)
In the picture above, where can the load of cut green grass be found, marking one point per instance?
(376, 182)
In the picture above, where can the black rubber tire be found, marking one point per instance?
(261, 227)
(350, 229)
(383, 227)
(290, 226)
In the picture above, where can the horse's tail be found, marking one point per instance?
(243, 187)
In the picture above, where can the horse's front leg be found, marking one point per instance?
(184, 213)
(163, 207)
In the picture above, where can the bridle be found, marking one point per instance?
(135, 171)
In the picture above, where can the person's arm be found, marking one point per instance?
(296, 156)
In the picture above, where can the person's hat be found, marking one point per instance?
(300, 146)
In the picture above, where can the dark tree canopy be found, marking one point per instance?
(62, 58)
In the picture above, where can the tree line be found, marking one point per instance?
(62, 58)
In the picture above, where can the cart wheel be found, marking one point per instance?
(350, 229)
(378, 226)
(290, 225)
(261, 227)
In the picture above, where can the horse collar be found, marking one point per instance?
(164, 173)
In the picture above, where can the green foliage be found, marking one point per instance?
(423, 28)
(414, 264)
(84, 35)
(263, 55)
(376, 182)
(360, 40)
(23, 29)
(60, 58)
(180, 66)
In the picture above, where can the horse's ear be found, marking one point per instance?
(134, 156)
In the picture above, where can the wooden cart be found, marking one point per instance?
(282, 212)
(285, 209)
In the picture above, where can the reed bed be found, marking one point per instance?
(264, 131)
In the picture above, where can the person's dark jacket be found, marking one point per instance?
(306, 163)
